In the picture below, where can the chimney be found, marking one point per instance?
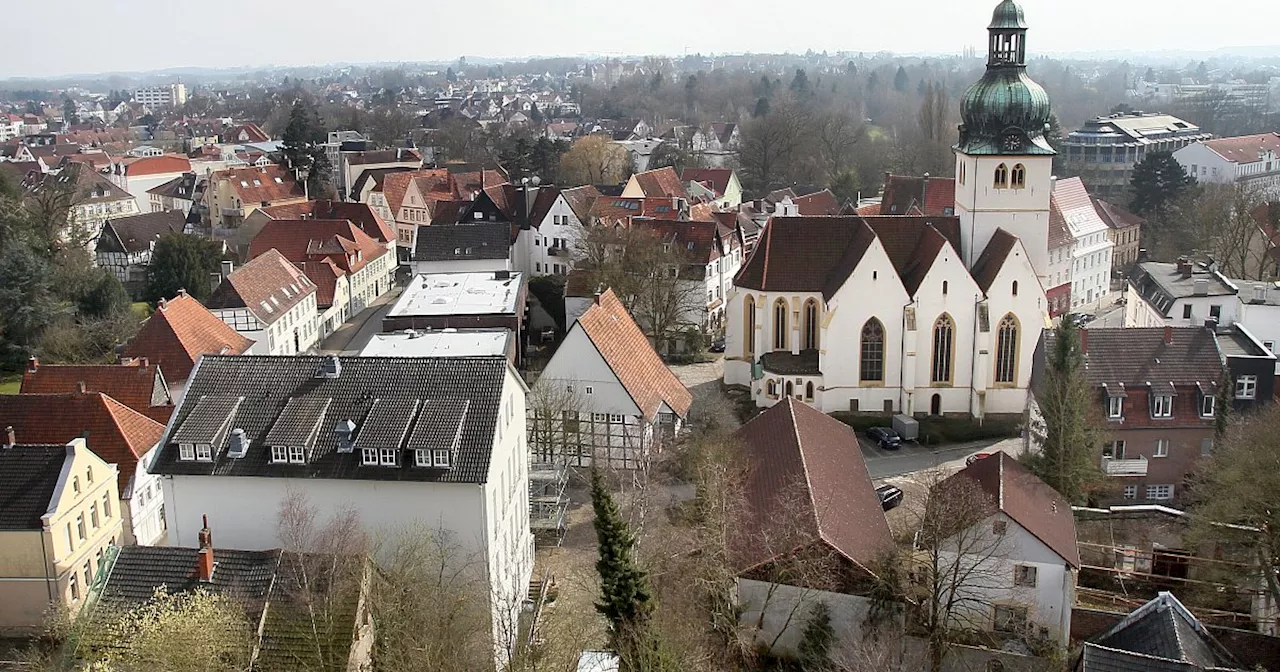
(143, 362)
(1084, 340)
(1168, 335)
(10, 440)
(1184, 267)
(81, 388)
(204, 557)
(33, 364)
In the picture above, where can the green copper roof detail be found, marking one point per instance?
(1007, 15)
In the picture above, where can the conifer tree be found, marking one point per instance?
(626, 598)
(1068, 433)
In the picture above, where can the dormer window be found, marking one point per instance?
(1207, 403)
(1115, 407)
(279, 454)
(440, 458)
(204, 452)
(387, 457)
(1162, 406)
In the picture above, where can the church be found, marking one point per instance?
(915, 314)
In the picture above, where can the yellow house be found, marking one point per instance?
(59, 511)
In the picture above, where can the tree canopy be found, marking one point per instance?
(180, 261)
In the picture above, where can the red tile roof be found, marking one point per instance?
(807, 477)
(661, 182)
(116, 433)
(1115, 216)
(907, 195)
(138, 384)
(179, 332)
(1038, 508)
(633, 360)
(378, 156)
(268, 286)
(305, 240)
(695, 239)
(717, 179)
(818, 203)
(261, 185)
(580, 200)
(157, 165)
(359, 214)
(432, 184)
(246, 132)
(1244, 148)
(1059, 232)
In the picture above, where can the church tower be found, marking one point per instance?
(1003, 161)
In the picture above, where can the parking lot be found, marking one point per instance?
(911, 456)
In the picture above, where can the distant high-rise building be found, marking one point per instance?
(172, 95)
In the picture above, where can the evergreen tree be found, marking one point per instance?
(320, 177)
(180, 261)
(817, 639)
(303, 132)
(1158, 182)
(1069, 435)
(900, 80)
(27, 301)
(626, 598)
(762, 108)
(450, 75)
(800, 83)
(104, 296)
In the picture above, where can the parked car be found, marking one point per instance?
(890, 496)
(885, 438)
(717, 345)
(975, 457)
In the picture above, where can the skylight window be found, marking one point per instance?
(257, 183)
(244, 183)
(279, 181)
(267, 307)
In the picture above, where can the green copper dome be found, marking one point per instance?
(1005, 112)
(1007, 15)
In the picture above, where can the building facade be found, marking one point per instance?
(1105, 150)
(1252, 161)
(270, 302)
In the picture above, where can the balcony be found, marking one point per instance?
(1136, 467)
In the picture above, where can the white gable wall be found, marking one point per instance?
(982, 208)
(960, 302)
(1030, 307)
(578, 364)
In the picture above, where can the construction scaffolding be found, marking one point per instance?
(548, 502)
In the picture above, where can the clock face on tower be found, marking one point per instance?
(1012, 142)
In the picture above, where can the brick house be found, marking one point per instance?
(1156, 391)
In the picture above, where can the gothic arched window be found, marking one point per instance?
(1002, 176)
(809, 328)
(1018, 178)
(749, 328)
(1007, 350)
(872, 366)
(780, 324)
(808, 391)
(944, 337)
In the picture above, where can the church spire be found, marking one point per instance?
(1005, 112)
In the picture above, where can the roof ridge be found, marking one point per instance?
(804, 468)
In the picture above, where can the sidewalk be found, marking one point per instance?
(351, 337)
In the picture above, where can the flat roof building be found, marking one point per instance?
(440, 301)
(442, 343)
(1104, 151)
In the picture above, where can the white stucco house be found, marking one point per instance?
(1251, 160)
(1091, 245)
(271, 302)
(1022, 568)
(605, 395)
(443, 450)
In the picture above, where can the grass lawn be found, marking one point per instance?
(10, 382)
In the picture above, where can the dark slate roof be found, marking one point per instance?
(785, 363)
(139, 570)
(1139, 355)
(1163, 635)
(1028, 501)
(136, 233)
(28, 476)
(458, 242)
(421, 397)
(992, 258)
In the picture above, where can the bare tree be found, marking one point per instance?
(595, 159)
(838, 134)
(1222, 220)
(956, 566)
(770, 143)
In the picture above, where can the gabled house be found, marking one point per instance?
(116, 433)
(233, 194)
(136, 383)
(463, 248)
(430, 441)
(1180, 294)
(609, 397)
(139, 175)
(1252, 160)
(273, 587)
(359, 214)
(352, 164)
(657, 183)
(1092, 244)
(1157, 391)
(720, 184)
(807, 493)
(272, 303)
(349, 268)
(59, 513)
(177, 334)
(179, 193)
(96, 199)
(124, 245)
(1160, 635)
(909, 195)
(1125, 229)
(1028, 584)
(713, 256)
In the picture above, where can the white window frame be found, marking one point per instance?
(1208, 404)
(1247, 387)
(1115, 407)
(297, 455)
(1162, 406)
(279, 454)
(1159, 492)
(440, 458)
(421, 457)
(1130, 492)
(369, 457)
(204, 452)
(1162, 448)
(387, 457)
(186, 452)
(1025, 576)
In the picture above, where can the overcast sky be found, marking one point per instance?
(89, 36)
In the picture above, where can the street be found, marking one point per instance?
(355, 333)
